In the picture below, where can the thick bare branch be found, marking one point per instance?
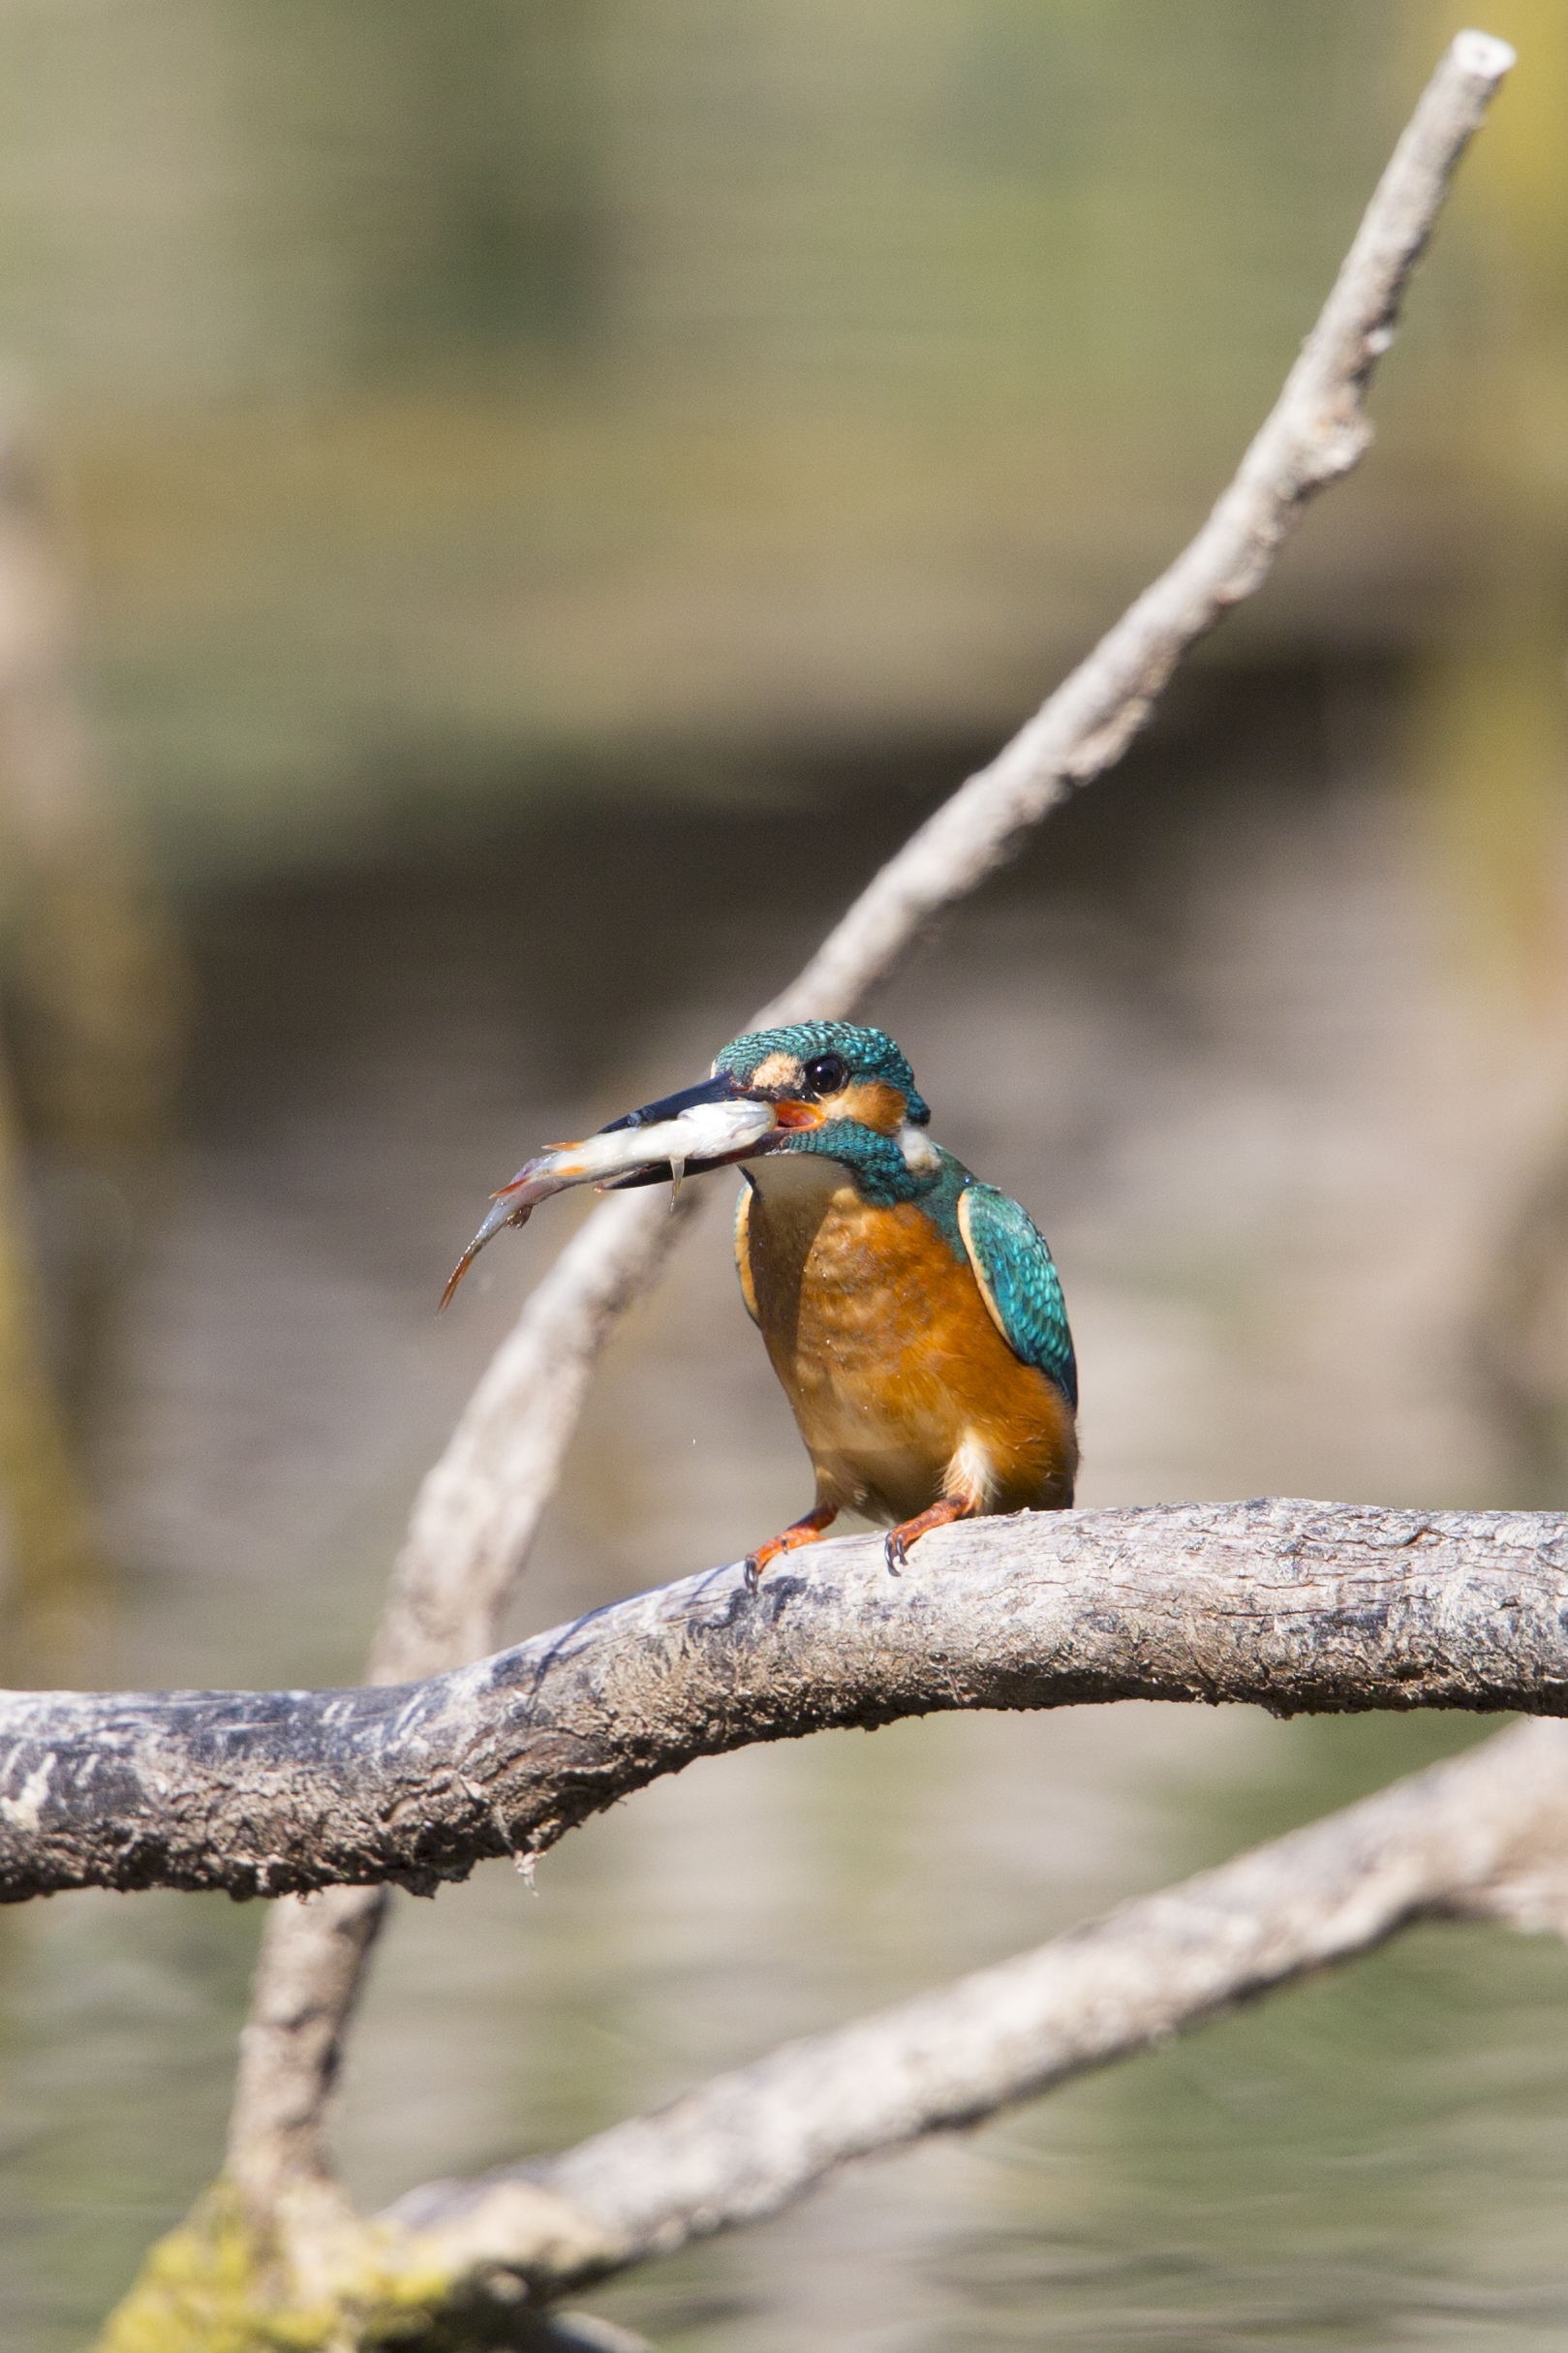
(1289, 1605)
(1485, 1836)
(478, 1511)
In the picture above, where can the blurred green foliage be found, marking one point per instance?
(522, 395)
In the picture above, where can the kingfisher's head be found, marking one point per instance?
(830, 1073)
(835, 1089)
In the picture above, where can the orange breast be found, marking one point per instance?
(902, 1385)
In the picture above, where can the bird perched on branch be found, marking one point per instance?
(912, 1315)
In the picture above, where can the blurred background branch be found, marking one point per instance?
(92, 1002)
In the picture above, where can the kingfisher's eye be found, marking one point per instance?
(825, 1074)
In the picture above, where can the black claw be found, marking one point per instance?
(752, 1573)
(893, 1552)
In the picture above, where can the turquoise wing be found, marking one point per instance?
(1019, 1282)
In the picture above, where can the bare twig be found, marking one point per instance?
(1294, 1606)
(478, 1511)
(1314, 434)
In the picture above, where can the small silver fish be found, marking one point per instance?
(704, 1127)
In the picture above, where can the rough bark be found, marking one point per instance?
(1293, 1606)
(479, 1506)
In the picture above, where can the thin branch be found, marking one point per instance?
(1485, 1836)
(478, 1511)
(1293, 1606)
(1314, 434)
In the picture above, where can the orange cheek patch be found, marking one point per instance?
(872, 1102)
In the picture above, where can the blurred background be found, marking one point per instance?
(507, 513)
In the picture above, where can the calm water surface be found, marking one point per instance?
(1214, 1035)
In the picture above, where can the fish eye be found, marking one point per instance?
(825, 1074)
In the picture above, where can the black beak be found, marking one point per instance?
(720, 1088)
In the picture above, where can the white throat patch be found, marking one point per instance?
(920, 1155)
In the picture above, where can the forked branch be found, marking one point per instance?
(477, 1510)
(476, 1514)
(479, 1506)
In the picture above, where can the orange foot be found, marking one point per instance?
(940, 1515)
(798, 1533)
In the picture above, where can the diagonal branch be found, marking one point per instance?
(1483, 1836)
(478, 1508)
(1294, 1606)
(1314, 434)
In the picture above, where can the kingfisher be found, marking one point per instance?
(913, 1315)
